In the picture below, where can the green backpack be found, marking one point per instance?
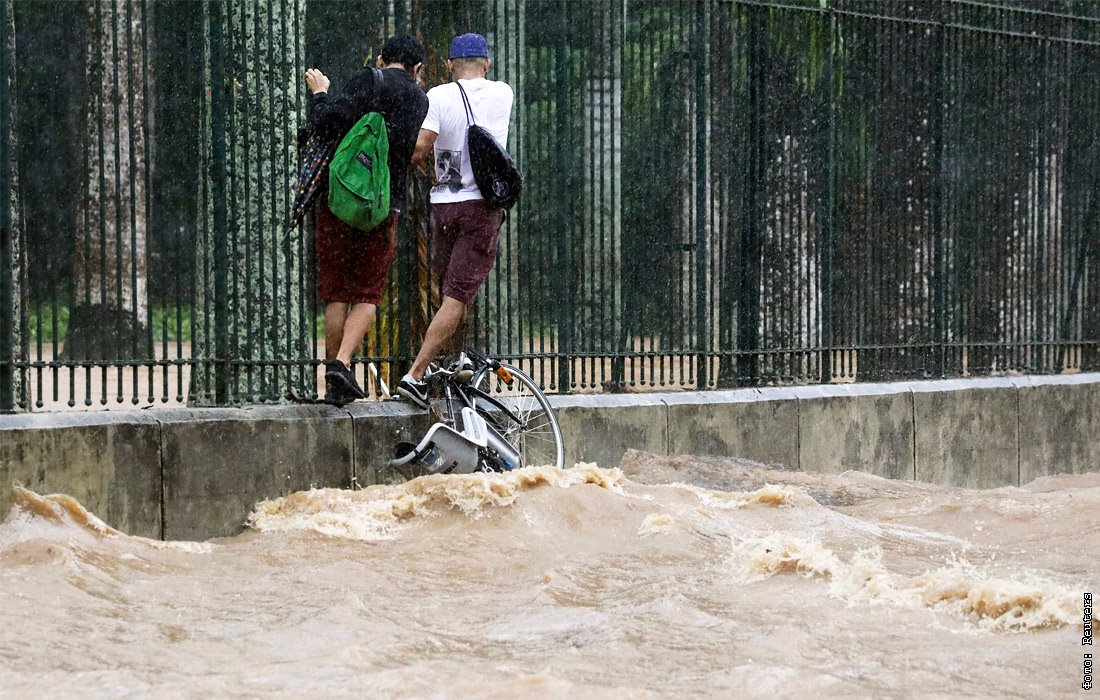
(359, 175)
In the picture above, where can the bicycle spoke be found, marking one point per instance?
(536, 436)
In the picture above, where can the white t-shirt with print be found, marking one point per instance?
(491, 102)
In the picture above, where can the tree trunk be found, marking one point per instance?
(111, 305)
(252, 311)
(13, 382)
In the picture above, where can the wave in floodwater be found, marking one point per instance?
(666, 577)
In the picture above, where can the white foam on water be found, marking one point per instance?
(375, 513)
(656, 524)
(992, 602)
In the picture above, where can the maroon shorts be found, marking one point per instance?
(352, 265)
(464, 245)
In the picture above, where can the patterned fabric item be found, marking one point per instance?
(314, 154)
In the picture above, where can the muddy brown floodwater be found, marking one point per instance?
(667, 577)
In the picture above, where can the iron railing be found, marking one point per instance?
(717, 193)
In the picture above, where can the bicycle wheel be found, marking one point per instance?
(536, 436)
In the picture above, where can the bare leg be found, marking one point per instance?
(457, 341)
(359, 321)
(335, 314)
(440, 330)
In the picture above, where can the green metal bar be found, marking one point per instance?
(270, 202)
(939, 279)
(99, 112)
(264, 193)
(408, 295)
(246, 134)
(7, 247)
(516, 48)
(547, 334)
(752, 219)
(828, 226)
(587, 229)
(217, 178)
(563, 223)
(146, 47)
(133, 202)
(116, 311)
(670, 320)
(606, 282)
(1040, 300)
(307, 302)
(702, 145)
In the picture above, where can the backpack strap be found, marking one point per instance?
(466, 102)
(376, 89)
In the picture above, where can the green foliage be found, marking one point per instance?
(46, 322)
(171, 321)
(50, 322)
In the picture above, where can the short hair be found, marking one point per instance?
(470, 62)
(403, 49)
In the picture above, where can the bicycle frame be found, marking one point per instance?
(504, 452)
(467, 390)
(498, 433)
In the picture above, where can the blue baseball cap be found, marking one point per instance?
(469, 46)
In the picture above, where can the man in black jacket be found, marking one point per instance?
(352, 265)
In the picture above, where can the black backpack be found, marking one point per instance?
(494, 172)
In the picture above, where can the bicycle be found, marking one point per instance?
(503, 421)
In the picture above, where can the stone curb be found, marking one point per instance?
(197, 473)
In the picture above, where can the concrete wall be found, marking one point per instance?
(195, 474)
(974, 433)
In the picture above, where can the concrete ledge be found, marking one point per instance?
(219, 462)
(756, 424)
(966, 434)
(867, 428)
(601, 428)
(110, 462)
(1059, 426)
(195, 474)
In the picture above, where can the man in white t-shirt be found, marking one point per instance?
(465, 228)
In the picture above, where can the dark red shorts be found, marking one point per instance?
(352, 265)
(464, 245)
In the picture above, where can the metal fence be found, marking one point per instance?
(718, 193)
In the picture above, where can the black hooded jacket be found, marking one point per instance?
(396, 97)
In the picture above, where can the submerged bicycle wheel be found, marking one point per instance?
(536, 436)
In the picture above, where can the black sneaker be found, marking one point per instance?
(340, 384)
(414, 391)
(337, 395)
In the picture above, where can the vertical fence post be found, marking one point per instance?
(939, 304)
(408, 293)
(7, 230)
(752, 214)
(218, 188)
(1039, 335)
(622, 345)
(702, 193)
(563, 186)
(828, 224)
(729, 142)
